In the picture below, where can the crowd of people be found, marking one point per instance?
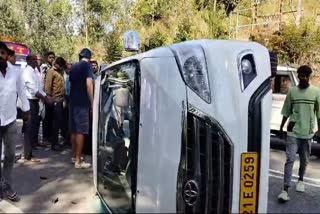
(56, 94)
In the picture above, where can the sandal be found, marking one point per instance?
(82, 165)
(11, 195)
(73, 160)
(33, 160)
(14, 197)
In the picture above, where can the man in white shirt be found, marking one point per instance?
(12, 58)
(34, 93)
(11, 85)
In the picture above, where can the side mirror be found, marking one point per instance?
(131, 41)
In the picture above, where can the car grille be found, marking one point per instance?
(205, 172)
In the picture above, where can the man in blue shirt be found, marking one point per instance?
(65, 132)
(81, 100)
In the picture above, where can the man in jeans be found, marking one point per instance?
(54, 87)
(11, 84)
(301, 104)
(81, 99)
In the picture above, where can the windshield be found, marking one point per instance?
(21, 58)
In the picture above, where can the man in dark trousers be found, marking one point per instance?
(54, 87)
(34, 93)
(11, 85)
(47, 122)
(302, 107)
(81, 100)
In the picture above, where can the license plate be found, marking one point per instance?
(248, 183)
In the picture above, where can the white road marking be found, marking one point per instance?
(296, 180)
(6, 207)
(296, 177)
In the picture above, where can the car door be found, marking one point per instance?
(117, 136)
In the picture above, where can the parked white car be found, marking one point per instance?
(284, 79)
(184, 128)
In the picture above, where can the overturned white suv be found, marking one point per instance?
(184, 129)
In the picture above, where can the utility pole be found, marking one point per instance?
(155, 3)
(230, 25)
(254, 8)
(299, 12)
(214, 6)
(280, 13)
(237, 25)
(213, 16)
(86, 20)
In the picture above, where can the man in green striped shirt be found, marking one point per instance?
(302, 108)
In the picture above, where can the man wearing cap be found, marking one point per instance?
(302, 107)
(11, 84)
(81, 99)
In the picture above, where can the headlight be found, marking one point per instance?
(247, 69)
(193, 67)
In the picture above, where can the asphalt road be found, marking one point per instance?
(52, 186)
(307, 202)
(69, 185)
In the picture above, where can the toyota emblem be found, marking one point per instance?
(191, 193)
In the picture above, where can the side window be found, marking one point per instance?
(118, 136)
(280, 84)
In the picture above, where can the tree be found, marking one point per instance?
(93, 17)
(184, 32)
(12, 26)
(113, 46)
(48, 25)
(61, 12)
(227, 5)
(294, 44)
(150, 11)
(157, 39)
(216, 22)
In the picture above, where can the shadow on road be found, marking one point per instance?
(53, 185)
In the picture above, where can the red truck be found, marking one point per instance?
(21, 50)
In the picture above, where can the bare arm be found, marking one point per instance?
(41, 96)
(90, 89)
